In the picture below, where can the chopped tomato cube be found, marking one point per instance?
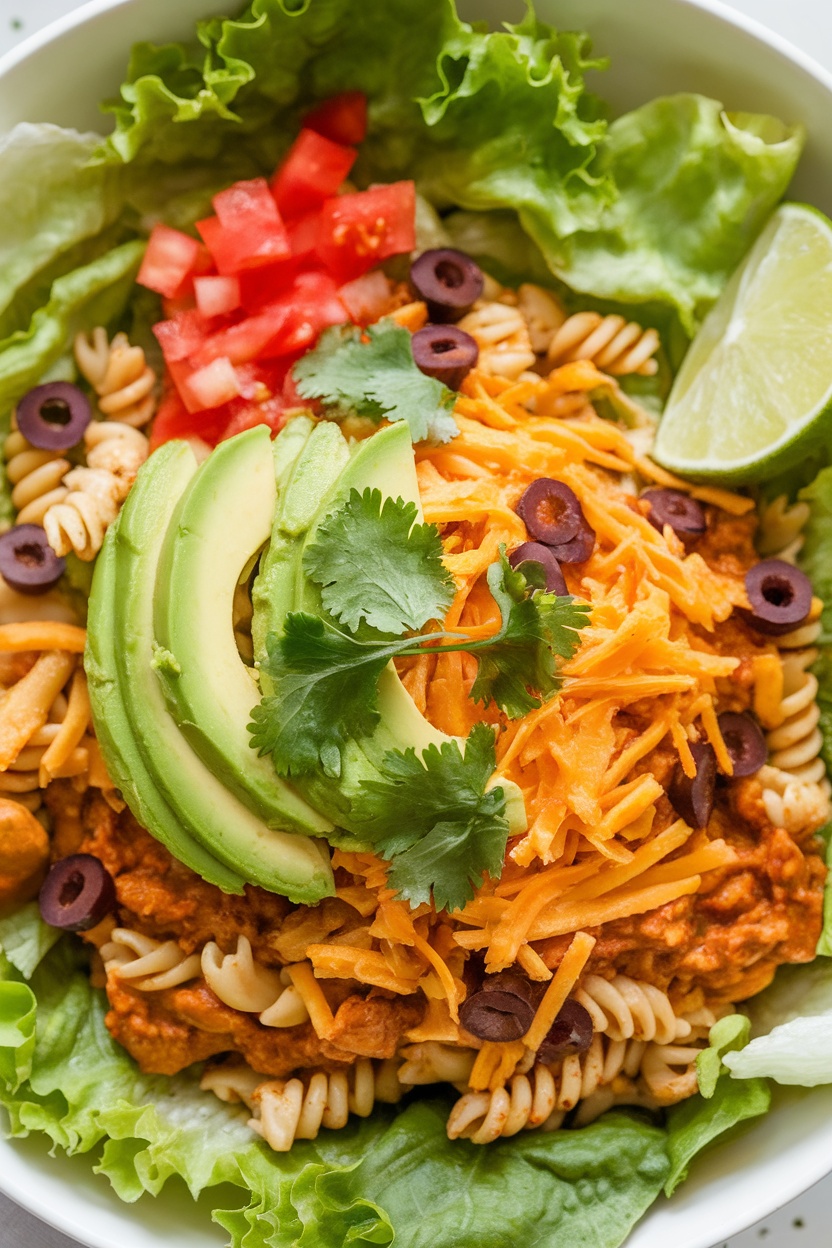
(245, 414)
(181, 335)
(247, 231)
(173, 420)
(312, 172)
(170, 259)
(217, 296)
(245, 341)
(342, 119)
(356, 232)
(311, 304)
(366, 298)
(260, 287)
(211, 386)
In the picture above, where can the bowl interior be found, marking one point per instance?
(657, 47)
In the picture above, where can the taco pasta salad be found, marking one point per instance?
(414, 673)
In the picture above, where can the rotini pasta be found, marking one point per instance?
(36, 477)
(502, 336)
(627, 1009)
(795, 742)
(296, 1109)
(615, 346)
(120, 376)
(237, 979)
(115, 452)
(148, 964)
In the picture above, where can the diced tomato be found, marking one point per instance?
(181, 335)
(357, 231)
(342, 119)
(247, 231)
(366, 298)
(246, 414)
(303, 235)
(260, 287)
(212, 385)
(311, 304)
(173, 420)
(247, 340)
(170, 259)
(217, 296)
(312, 172)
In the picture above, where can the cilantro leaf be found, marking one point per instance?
(454, 831)
(376, 564)
(517, 667)
(372, 373)
(326, 694)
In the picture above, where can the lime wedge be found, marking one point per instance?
(754, 393)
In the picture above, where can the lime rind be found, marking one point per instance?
(754, 393)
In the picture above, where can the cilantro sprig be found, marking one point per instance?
(377, 565)
(326, 679)
(372, 373)
(455, 829)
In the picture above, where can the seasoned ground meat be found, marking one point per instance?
(728, 939)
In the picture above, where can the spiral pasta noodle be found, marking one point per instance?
(503, 339)
(626, 1009)
(119, 374)
(115, 452)
(148, 964)
(614, 345)
(36, 477)
(296, 1109)
(795, 789)
(242, 984)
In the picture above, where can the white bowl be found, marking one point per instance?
(657, 47)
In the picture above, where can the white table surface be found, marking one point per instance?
(805, 1223)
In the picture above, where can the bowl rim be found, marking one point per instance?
(15, 1181)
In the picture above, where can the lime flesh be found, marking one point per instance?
(754, 393)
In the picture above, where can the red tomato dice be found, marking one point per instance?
(247, 231)
(312, 172)
(367, 298)
(173, 420)
(245, 341)
(342, 119)
(211, 386)
(170, 259)
(358, 231)
(244, 414)
(181, 335)
(217, 296)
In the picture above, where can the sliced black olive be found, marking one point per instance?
(449, 282)
(744, 741)
(571, 1032)
(536, 552)
(780, 596)
(693, 799)
(77, 893)
(684, 515)
(53, 417)
(550, 511)
(445, 352)
(580, 547)
(27, 561)
(503, 1008)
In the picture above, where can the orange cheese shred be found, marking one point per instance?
(562, 983)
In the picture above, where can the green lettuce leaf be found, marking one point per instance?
(94, 294)
(724, 1103)
(695, 187)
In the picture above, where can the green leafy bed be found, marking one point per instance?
(503, 138)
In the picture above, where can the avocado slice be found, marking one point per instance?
(115, 736)
(385, 462)
(295, 866)
(222, 520)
